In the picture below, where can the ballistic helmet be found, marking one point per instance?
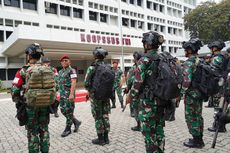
(137, 55)
(228, 50)
(218, 44)
(34, 50)
(153, 38)
(193, 43)
(100, 53)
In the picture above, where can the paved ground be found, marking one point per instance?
(123, 140)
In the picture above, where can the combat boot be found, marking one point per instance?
(137, 128)
(76, 124)
(196, 142)
(113, 104)
(106, 137)
(67, 131)
(99, 141)
(56, 114)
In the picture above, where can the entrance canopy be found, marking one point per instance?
(56, 42)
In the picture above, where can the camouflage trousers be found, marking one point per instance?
(152, 119)
(119, 94)
(193, 116)
(37, 129)
(67, 109)
(134, 107)
(100, 111)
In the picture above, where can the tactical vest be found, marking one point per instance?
(40, 86)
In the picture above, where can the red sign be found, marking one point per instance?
(104, 39)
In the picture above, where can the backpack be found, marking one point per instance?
(40, 86)
(165, 83)
(102, 82)
(206, 78)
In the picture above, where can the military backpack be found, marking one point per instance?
(102, 82)
(165, 81)
(40, 86)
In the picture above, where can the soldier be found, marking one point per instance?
(36, 119)
(217, 60)
(151, 115)
(192, 97)
(67, 84)
(134, 106)
(46, 61)
(117, 84)
(100, 107)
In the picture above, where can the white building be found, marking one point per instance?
(76, 27)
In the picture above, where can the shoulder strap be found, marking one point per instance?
(197, 61)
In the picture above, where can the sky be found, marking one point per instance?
(199, 1)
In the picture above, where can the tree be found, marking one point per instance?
(209, 21)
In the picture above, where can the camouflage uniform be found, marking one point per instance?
(134, 105)
(66, 106)
(217, 61)
(37, 118)
(193, 100)
(100, 109)
(151, 115)
(116, 86)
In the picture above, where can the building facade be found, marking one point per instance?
(76, 27)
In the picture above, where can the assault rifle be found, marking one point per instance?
(217, 122)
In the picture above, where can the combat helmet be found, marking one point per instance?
(153, 38)
(193, 43)
(34, 50)
(99, 53)
(218, 44)
(137, 55)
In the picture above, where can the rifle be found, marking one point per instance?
(216, 122)
(124, 92)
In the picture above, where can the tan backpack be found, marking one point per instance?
(40, 86)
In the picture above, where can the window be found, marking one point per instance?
(63, 28)
(30, 4)
(155, 6)
(169, 30)
(2, 74)
(140, 24)
(35, 24)
(56, 27)
(9, 22)
(103, 17)
(174, 31)
(50, 8)
(131, 1)
(1, 35)
(1, 21)
(77, 13)
(68, 1)
(150, 26)
(70, 28)
(161, 8)
(74, 1)
(49, 26)
(90, 5)
(11, 73)
(139, 3)
(16, 23)
(125, 22)
(123, 1)
(162, 29)
(27, 23)
(64, 10)
(133, 23)
(149, 4)
(13, 3)
(80, 2)
(8, 33)
(93, 16)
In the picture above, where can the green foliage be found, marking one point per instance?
(209, 21)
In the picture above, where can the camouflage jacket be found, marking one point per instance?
(18, 84)
(89, 75)
(144, 67)
(118, 74)
(217, 60)
(130, 77)
(188, 71)
(65, 76)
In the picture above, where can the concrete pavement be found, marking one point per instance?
(123, 140)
